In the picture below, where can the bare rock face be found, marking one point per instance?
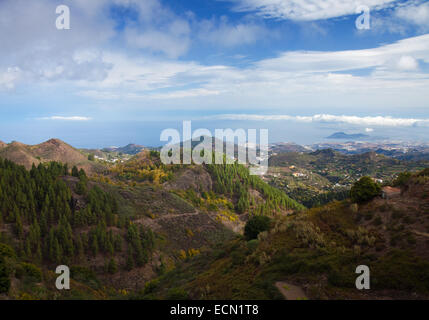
(196, 178)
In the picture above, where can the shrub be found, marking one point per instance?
(255, 225)
(6, 251)
(4, 277)
(32, 271)
(238, 258)
(151, 286)
(364, 189)
(81, 187)
(401, 270)
(342, 278)
(85, 275)
(378, 221)
(402, 179)
(177, 294)
(252, 245)
(424, 173)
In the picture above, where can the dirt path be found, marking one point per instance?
(423, 234)
(176, 215)
(290, 291)
(153, 223)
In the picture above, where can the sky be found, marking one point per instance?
(127, 69)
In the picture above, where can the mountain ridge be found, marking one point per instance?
(130, 148)
(343, 135)
(51, 150)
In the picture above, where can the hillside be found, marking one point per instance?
(318, 177)
(120, 228)
(110, 235)
(286, 147)
(142, 229)
(411, 155)
(317, 252)
(128, 149)
(51, 150)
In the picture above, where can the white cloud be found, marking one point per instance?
(172, 44)
(61, 118)
(175, 94)
(369, 130)
(416, 14)
(407, 50)
(225, 34)
(158, 29)
(43, 53)
(184, 94)
(295, 78)
(32, 43)
(405, 18)
(328, 118)
(84, 62)
(407, 63)
(306, 10)
(9, 77)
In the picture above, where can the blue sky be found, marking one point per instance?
(159, 61)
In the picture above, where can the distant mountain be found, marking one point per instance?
(287, 147)
(343, 135)
(397, 150)
(51, 150)
(330, 161)
(128, 149)
(410, 155)
(215, 141)
(326, 153)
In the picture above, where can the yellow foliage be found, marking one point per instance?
(182, 254)
(193, 252)
(189, 233)
(225, 215)
(123, 292)
(26, 296)
(189, 254)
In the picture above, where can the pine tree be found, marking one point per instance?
(94, 246)
(18, 226)
(4, 277)
(75, 172)
(57, 251)
(112, 267)
(129, 265)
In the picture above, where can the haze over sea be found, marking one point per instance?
(99, 134)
